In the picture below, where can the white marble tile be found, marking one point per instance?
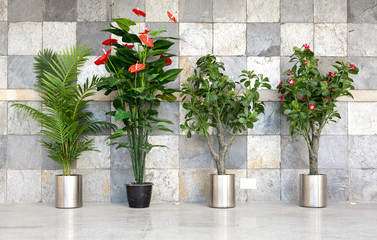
(263, 151)
(229, 39)
(59, 36)
(163, 157)
(295, 34)
(3, 72)
(268, 66)
(196, 39)
(23, 186)
(96, 159)
(165, 184)
(263, 10)
(24, 38)
(156, 10)
(330, 39)
(362, 118)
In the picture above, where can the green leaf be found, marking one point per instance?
(124, 23)
(164, 128)
(121, 114)
(169, 75)
(164, 44)
(130, 38)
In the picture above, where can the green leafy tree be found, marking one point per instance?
(214, 101)
(310, 98)
(63, 117)
(138, 77)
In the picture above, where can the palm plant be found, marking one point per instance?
(63, 117)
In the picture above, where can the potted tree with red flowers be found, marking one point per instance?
(138, 76)
(309, 103)
(215, 102)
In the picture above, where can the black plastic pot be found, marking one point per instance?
(139, 195)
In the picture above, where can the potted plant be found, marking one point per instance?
(65, 121)
(309, 104)
(213, 101)
(138, 77)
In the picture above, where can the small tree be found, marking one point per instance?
(310, 97)
(213, 101)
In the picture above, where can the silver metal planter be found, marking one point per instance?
(222, 192)
(68, 191)
(313, 190)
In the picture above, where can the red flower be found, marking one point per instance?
(103, 58)
(146, 31)
(328, 98)
(136, 67)
(311, 107)
(353, 67)
(128, 45)
(146, 40)
(138, 12)
(281, 83)
(306, 63)
(331, 74)
(304, 98)
(316, 63)
(282, 97)
(289, 70)
(109, 41)
(172, 17)
(168, 60)
(306, 46)
(291, 82)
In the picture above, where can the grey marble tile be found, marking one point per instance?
(21, 77)
(59, 36)
(236, 156)
(194, 153)
(21, 32)
(362, 11)
(3, 185)
(227, 11)
(48, 185)
(363, 185)
(340, 127)
(361, 39)
(338, 188)
(25, 11)
(241, 194)
(362, 152)
(263, 151)
(99, 110)
(325, 64)
(171, 31)
(3, 10)
(3, 118)
(268, 185)
(90, 33)
(196, 10)
(294, 153)
(232, 35)
(156, 10)
(233, 67)
(263, 39)
(165, 184)
(123, 9)
(290, 182)
(284, 66)
(24, 186)
(330, 11)
(3, 72)
(24, 152)
(3, 151)
(163, 157)
(118, 188)
(196, 39)
(168, 111)
(333, 152)
(96, 185)
(3, 38)
(194, 185)
(120, 158)
(365, 80)
(90, 69)
(269, 122)
(16, 122)
(96, 159)
(62, 11)
(296, 11)
(93, 10)
(263, 10)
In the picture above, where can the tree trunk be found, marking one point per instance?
(314, 147)
(221, 161)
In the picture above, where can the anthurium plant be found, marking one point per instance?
(64, 118)
(138, 76)
(310, 98)
(213, 101)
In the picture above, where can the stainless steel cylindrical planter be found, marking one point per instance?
(222, 191)
(313, 190)
(68, 191)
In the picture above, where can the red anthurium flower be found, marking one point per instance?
(282, 97)
(331, 74)
(306, 46)
(311, 107)
(103, 58)
(109, 41)
(353, 67)
(281, 83)
(171, 16)
(136, 67)
(138, 12)
(168, 60)
(146, 31)
(146, 40)
(306, 63)
(291, 82)
(128, 45)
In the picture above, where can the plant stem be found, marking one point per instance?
(314, 146)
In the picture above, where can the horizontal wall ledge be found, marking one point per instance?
(265, 95)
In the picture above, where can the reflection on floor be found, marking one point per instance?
(188, 221)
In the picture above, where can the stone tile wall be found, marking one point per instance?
(244, 34)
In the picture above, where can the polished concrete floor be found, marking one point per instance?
(189, 221)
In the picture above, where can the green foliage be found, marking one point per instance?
(63, 117)
(310, 102)
(138, 94)
(214, 101)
